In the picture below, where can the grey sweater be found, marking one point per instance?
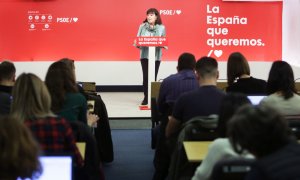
(145, 30)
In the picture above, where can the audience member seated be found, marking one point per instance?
(102, 130)
(174, 85)
(91, 117)
(264, 132)
(239, 78)
(7, 79)
(71, 64)
(203, 101)
(171, 88)
(66, 100)
(31, 104)
(281, 89)
(221, 149)
(19, 151)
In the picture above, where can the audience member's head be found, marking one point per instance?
(281, 79)
(207, 68)
(19, 151)
(7, 73)
(60, 80)
(186, 61)
(30, 98)
(237, 66)
(70, 63)
(229, 105)
(259, 129)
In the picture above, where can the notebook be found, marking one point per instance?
(255, 99)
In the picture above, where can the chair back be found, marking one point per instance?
(294, 124)
(232, 169)
(155, 115)
(201, 128)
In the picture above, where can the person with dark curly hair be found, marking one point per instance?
(264, 132)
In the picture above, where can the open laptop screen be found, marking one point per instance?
(255, 99)
(56, 167)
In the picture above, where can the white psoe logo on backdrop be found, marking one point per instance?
(170, 12)
(67, 19)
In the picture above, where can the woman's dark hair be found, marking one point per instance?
(154, 11)
(259, 129)
(19, 151)
(229, 105)
(237, 65)
(69, 62)
(281, 78)
(60, 80)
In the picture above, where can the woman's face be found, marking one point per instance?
(151, 18)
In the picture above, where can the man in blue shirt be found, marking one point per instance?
(171, 88)
(176, 84)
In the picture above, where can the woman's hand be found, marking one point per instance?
(92, 119)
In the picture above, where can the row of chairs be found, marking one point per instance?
(205, 129)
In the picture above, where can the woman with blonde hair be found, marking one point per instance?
(31, 104)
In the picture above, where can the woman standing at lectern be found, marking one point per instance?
(151, 26)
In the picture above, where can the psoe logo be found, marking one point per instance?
(62, 20)
(67, 20)
(170, 12)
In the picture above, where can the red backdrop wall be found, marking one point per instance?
(103, 30)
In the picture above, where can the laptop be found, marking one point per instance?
(56, 167)
(255, 100)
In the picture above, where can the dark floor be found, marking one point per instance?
(132, 152)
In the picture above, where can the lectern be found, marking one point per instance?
(151, 42)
